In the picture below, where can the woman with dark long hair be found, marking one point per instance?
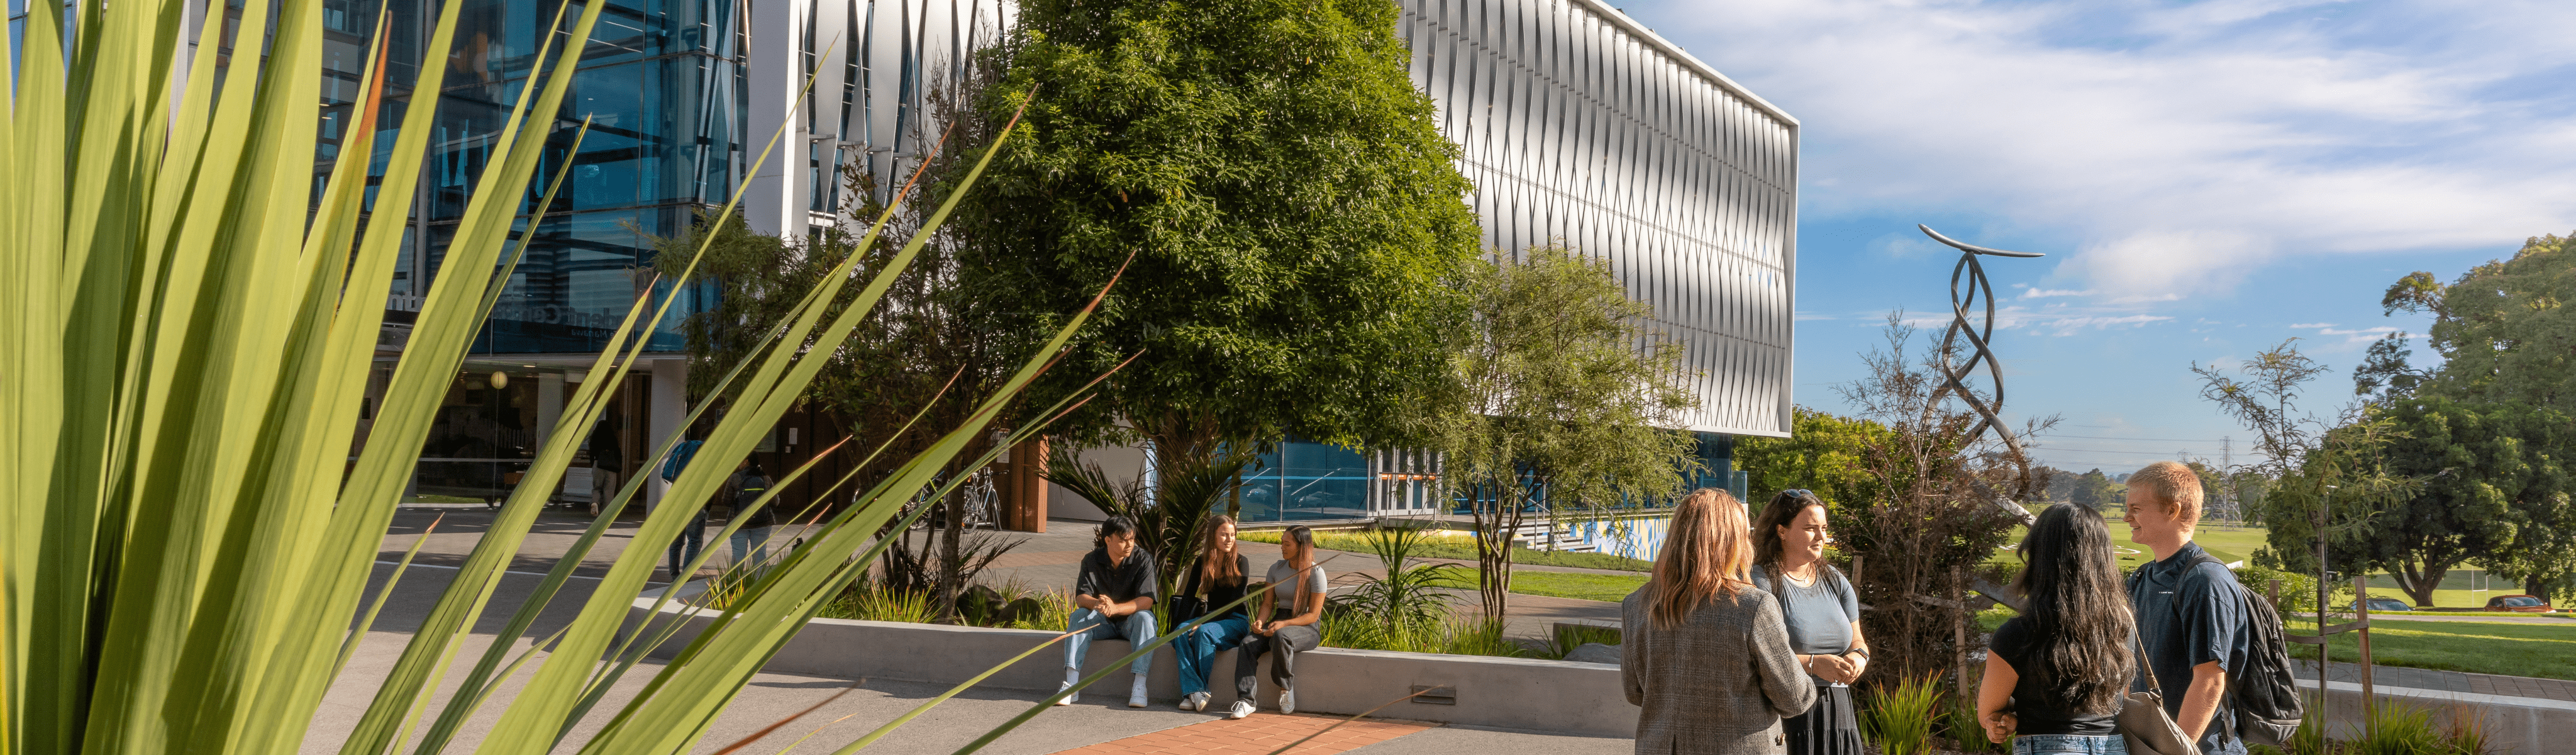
(1217, 579)
(1287, 624)
(2062, 665)
(1703, 650)
(1823, 614)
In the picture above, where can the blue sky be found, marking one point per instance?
(2207, 179)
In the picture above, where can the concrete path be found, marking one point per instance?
(2444, 681)
(771, 698)
(2501, 618)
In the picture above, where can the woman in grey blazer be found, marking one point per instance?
(1706, 654)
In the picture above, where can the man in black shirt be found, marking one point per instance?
(1112, 600)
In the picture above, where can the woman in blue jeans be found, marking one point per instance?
(1219, 575)
(2054, 674)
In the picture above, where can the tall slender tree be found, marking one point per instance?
(1562, 396)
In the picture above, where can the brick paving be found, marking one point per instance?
(1261, 733)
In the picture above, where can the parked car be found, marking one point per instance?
(2518, 603)
(2389, 604)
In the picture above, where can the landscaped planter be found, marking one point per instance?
(1514, 693)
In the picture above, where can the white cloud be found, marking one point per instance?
(2306, 325)
(2179, 146)
(2043, 293)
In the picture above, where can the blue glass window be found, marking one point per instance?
(1302, 482)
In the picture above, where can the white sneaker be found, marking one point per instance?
(1196, 701)
(1068, 693)
(1287, 702)
(1136, 693)
(1241, 709)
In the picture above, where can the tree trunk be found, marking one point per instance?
(1496, 518)
(2420, 581)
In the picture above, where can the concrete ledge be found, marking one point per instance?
(1510, 693)
(2517, 725)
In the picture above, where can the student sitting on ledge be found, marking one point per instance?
(1286, 625)
(1113, 600)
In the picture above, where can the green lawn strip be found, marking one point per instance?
(2472, 614)
(1557, 584)
(2476, 647)
(1466, 551)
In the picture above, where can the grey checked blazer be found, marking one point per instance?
(1718, 685)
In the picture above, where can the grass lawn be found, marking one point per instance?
(2230, 543)
(1463, 549)
(2482, 648)
(1608, 587)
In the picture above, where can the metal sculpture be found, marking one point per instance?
(1979, 336)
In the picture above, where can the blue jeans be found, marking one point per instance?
(1136, 628)
(2069, 744)
(1197, 650)
(753, 541)
(694, 537)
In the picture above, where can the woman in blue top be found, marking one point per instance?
(1823, 615)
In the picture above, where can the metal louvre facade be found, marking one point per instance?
(1582, 127)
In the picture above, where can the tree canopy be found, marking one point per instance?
(1556, 403)
(2506, 330)
(2495, 490)
(1287, 214)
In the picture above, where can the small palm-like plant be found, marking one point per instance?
(1899, 718)
(1408, 597)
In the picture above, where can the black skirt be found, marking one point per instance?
(1832, 727)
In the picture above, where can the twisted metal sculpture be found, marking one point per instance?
(1979, 336)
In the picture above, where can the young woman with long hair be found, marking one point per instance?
(1286, 624)
(1218, 579)
(2063, 664)
(1704, 651)
(1823, 616)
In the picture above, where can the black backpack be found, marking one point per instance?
(2263, 694)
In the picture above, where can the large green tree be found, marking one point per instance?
(2506, 330)
(1560, 403)
(2496, 481)
(1288, 217)
(1823, 453)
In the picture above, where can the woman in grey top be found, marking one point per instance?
(1286, 624)
(1705, 653)
(1823, 616)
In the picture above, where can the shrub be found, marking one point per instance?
(1959, 723)
(1570, 636)
(1406, 595)
(1899, 719)
(868, 601)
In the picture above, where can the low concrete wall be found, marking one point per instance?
(1513, 693)
(2516, 725)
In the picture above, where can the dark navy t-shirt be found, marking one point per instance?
(2189, 614)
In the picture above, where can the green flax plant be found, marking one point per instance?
(189, 324)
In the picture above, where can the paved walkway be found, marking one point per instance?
(2445, 681)
(1259, 734)
(771, 697)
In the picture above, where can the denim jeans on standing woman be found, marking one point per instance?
(1197, 650)
(2069, 744)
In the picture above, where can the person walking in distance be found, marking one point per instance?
(751, 540)
(2055, 673)
(1823, 616)
(1113, 600)
(1286, 625)
(2190, 609)
(1706, 653)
